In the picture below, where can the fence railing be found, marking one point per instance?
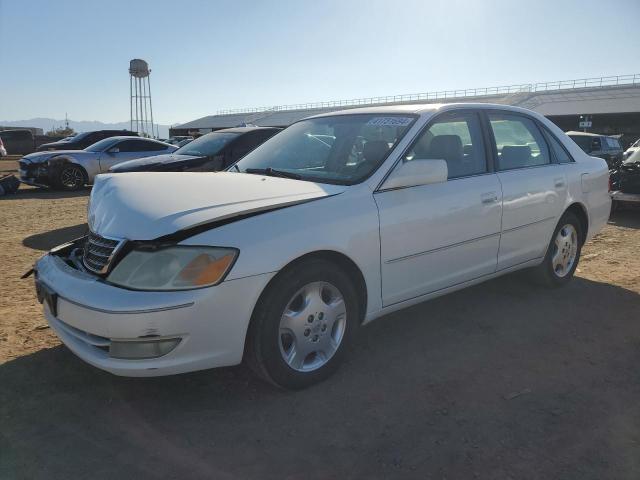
(631, 79)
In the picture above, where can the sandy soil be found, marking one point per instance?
(502, 380)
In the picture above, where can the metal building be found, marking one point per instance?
(613, 104)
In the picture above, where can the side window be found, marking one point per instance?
(154, 147)
(519, 143)
(138, 146)
(264, 135)
(456, 138)
(613, 143)
(253, 140)
(558, 150)
(243, 145)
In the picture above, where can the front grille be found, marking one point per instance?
(99, 251)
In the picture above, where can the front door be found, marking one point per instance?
(436, 236)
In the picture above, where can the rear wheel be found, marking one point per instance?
(303, 324)
(563, 253)
(70, 178)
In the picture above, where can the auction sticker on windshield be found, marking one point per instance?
(390, 121)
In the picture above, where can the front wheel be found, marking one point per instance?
(303, 324)
(563, 253)
(70, 178)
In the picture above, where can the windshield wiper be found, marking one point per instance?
(272, 172)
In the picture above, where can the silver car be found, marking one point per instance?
(72, 169)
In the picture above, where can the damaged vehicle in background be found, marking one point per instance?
(208, 153)
(280, 259)
(625, 182)
(72, 169)
(83, 140)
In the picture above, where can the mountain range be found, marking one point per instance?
(47, 124)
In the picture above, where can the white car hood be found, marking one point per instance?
(149, 205)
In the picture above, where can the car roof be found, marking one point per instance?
(422, 108)
(129, 137)
(587, 134)
(244, 129)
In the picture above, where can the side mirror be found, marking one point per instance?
(113, 150)
(411, 173)
(595, 145)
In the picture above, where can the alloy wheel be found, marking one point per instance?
(565, 250)
(312, 326)
(71, 178)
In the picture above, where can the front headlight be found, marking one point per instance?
(173, 268)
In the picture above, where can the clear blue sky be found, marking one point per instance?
(72, 56)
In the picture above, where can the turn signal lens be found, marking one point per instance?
(204, 270)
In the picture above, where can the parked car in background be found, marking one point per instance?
(21, 141)
(84, 139)
(281, 258)
(211, 152)
(3, 151)
(602, 146)
(178, 139)
(634, 147)
(72, 169)
(625, 181)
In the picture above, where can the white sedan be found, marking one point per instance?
(336, 221)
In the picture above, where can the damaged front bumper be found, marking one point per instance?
(36, 174)
(142, 333)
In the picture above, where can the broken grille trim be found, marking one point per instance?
(99, 252)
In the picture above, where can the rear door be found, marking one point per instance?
(439, 235)
(534, 187)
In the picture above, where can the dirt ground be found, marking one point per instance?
(502, 380)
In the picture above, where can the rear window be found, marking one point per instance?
(613, 143)
(583, 142)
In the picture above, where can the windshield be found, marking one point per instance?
(343, 149)
(207, 145)
(102, 145)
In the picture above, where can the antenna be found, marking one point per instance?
(140, 98)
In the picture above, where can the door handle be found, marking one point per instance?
(489, 197)
(559, 182)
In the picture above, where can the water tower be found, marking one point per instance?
(140, 98)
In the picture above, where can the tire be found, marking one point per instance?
(70, 178)
(563, 253)
(300, 316)
(615, 206)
